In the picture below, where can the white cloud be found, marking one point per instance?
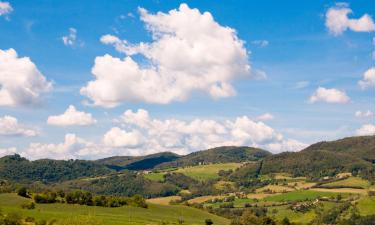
(5, 8)
(140, 135)
(190, 52)
(337, 20)
(329, 96)
(365, 130)
(21, 83)
(261, 43)
(265, 117)
(183, 137)
(72, 147)
(7, 151)
(71, 38)
(10, 126)
(364, 114)
(120, 138)
(368, 79)
(72, 117)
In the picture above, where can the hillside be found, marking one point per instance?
(19, 169)
(225, 154)
(354, 154)
(138, 162)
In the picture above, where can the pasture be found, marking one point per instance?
(155, 214)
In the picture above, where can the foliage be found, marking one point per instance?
(18, 169)
(226, 154)
(125, 184)
(138, 162)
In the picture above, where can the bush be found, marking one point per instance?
(29, 205)
(23, 192)
(208, 222)
(12, 218)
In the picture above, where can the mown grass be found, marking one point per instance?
(155, 214)
(366, 206)
(155, 176)
(206, 172)
(302, 195)
(355, 182)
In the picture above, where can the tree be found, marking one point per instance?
(208, 222)
(285, 221)
(248, 218)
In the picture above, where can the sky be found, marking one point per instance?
(90, 80)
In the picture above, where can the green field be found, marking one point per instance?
(366, 206)
(155, 214)
(155, 176)
(301, 195)
(355, 182)
(206, 172)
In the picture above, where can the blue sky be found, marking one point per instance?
(297, 48)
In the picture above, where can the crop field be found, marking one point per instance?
(302, 195)
(206, 172)
(275, 189)
(163, 200)
(355, 182)
(155, 214)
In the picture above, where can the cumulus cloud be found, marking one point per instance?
(21, 83)
(265, 117)
(72, 117)
(365, 130)
(5, 9)
(120, 138)
(190, 52)
(329, 96)
(368, 79)
(72, 147)
(364, 114)
(7, 151)
(183, 137)
(9, 126)
(338, 21)
(140, 134)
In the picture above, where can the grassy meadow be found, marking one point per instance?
(154, 214)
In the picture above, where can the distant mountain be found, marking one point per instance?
(354, 154)
(19, 169)
(224, 154)
(138, 162)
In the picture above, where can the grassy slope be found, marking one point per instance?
(366, 206)
(350, 182)
(155, 214)
(205, 172)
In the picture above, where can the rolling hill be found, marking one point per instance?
(225, 154)
(353, 154)
(19, 169)
(138, 162)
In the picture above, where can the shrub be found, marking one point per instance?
(29, 205)
(23, 192)
(208, 222)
